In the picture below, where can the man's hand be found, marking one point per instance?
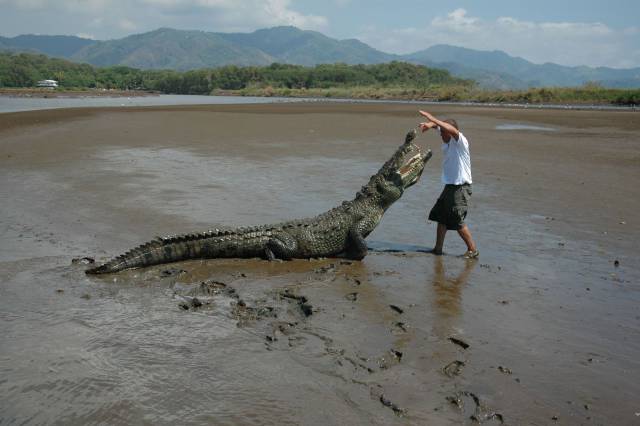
(427, 115)
(426, 126)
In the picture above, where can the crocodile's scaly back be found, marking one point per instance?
(339, 231)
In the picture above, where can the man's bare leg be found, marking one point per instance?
(440, 234)
(466, 237)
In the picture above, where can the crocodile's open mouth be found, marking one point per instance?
(413, 166)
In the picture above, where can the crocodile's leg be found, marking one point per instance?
(281, 246)
(356, 245)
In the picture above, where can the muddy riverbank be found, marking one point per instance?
(543, 329)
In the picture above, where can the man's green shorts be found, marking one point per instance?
(451, 207)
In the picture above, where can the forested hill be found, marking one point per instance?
(181, 50)
(513, 72)
(51, 45)
(24, 70)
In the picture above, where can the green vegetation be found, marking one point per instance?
(394, 80)
(24, 70)
(558, 96)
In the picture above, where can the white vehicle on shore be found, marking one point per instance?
(47, 83)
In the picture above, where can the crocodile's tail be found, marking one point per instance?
(211, 244)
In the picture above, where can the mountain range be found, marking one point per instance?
(182, 50)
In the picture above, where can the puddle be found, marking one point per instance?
(524, 127)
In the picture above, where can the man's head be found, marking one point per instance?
(446, 136)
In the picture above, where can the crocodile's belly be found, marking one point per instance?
(321, 243)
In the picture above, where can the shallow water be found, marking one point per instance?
(16, 104)
(524, 127)
(553, 325)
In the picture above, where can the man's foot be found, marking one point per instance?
(435, 252)
(471, 254)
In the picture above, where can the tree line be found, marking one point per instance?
(25, 70)
(393, 80)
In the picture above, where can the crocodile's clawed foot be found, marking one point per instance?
(269, 255)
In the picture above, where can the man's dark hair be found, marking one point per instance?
(453, 122)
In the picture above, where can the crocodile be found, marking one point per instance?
(339, 232)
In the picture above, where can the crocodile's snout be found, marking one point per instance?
(411, 135)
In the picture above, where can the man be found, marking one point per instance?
(451, 208)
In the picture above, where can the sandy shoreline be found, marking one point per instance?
(553, 325)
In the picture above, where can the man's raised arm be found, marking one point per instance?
(443, 125)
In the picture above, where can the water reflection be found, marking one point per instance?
(524, 127)
(447, 296)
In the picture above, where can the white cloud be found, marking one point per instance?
(456, 21)
(566, 43)
(85, 35)
(242, 15)
(118, 18)
(69, 5)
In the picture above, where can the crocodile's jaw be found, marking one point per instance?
(409, 173)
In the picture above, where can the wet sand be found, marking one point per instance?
(551, 323)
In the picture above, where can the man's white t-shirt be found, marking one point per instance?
(456, 163)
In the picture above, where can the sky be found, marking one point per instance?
(566, 32)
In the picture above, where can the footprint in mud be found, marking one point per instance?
(396, 309)
(396, 410)
(281, 328)
(388, 360)
(504, 370)
(193, 303)
(202, 295)
(352, 296)
(247, 314)
(469, 404)
(399, 327)
(301, 301)
(454, 368)
(459, 342)
(376, 392)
